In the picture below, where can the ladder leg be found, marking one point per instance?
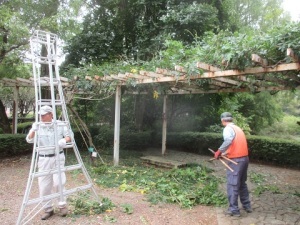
(48, 43)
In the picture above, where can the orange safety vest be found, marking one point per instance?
(238, 147)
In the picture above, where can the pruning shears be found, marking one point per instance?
(224, 157)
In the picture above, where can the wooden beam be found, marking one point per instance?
(150, 74)
(218, 83)
(106, 78)
(207, 67)
(136, 76)
(258, 59)
(228, 81)
(180, 69)
(9, 82)
(291, 54)
(64, 79)
(24, 81)
(117, 77)
(97, 77)
(229, 90)
(226, 73)
(88, 78)
(169, 73)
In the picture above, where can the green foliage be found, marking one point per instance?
(255, 15)
(275, 150)
(128, 139)
(137, 29)
(110, 219)
(257, 178)
(287, 128)
(127, 208)
(266, 188)
(265, 149)
(289, 101)
(262, 186)
(252, 112)
(83, 205)
(187, 187)
(193, 141)
(19, 146)
(186, 20)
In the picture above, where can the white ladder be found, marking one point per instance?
(42, 41)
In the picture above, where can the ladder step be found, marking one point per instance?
(69, 145)
(45, 148)
(56, 195)
(47, 172)
(46, 61)
(57, 122)
(43, 102)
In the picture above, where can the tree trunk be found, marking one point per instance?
(4, 122)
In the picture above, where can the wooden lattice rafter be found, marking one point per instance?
(263, 77)
(21, 82)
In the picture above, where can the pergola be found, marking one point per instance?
(261, 77)
(21, 82)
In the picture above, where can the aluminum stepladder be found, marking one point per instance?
(31, 204)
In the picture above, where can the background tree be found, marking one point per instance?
(18, 20)
(136, 29)
(255, 14)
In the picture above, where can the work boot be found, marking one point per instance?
(248, 210)
(63, 211)
(229, 213)
(47, 215)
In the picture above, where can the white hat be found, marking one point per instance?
(45, 109)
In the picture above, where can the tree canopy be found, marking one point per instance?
(112, 36)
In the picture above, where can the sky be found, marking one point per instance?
(293, 7)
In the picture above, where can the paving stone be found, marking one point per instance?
(268, 208)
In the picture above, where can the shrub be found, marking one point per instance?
(14, 144)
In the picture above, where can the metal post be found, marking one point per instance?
(164, 126)
(117, 125)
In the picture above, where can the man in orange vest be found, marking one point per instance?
(235, 147)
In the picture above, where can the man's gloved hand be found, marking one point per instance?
(62, 143)
(217, 154)
(34, 127)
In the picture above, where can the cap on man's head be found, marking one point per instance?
(226, 116)
(45, 109)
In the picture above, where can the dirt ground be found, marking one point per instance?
(14, 175)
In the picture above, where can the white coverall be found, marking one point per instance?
(47, 161)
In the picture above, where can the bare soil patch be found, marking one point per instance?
(14, 174)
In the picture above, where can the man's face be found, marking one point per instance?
(223, 122)
(47, 117)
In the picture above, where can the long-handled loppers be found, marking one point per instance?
(224, 157)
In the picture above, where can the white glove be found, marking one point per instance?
(34, 127)
(62, 143)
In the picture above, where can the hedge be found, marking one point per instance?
(14, 144)
(265, 149)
